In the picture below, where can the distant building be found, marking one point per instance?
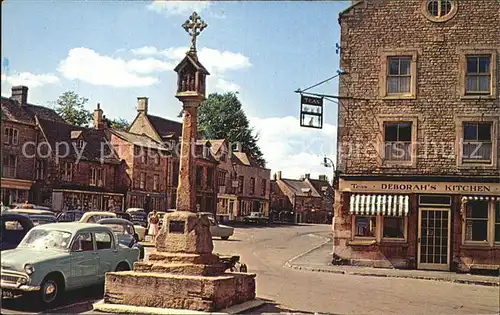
(418, 135)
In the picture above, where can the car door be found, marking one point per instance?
(107, 253)
(84, 261)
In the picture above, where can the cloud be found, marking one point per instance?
(218, 63)
(292, 149)
(30, 79)
(184, 8)
(88, 66)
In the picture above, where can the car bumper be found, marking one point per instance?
(18, 281)
(19, 287)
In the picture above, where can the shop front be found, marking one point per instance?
(66, 199)
(147, 201)
(418, 225)
(15, 190)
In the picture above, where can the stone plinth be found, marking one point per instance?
(182, 273)
(197, 293)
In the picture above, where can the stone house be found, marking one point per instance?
(168, 133)
(77, 168)
(19, 144)
(309, 199)
(243, 185)
(281, 207)
(418, 138)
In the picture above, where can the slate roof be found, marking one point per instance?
(200, 143)
(321, 186)
(216, 145)
(140, 140)
(164, 127)
(11, 110)
(60, 132)
(242, 158)
(300, 187)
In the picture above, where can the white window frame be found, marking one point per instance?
(156, 182)
(67, 171)
(11, 136)
(490, 233)
(142, 181)
(40, 169)
(97, 177)
(379, 230)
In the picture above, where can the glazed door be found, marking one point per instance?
(433, 239)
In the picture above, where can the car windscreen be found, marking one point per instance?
(50, 239)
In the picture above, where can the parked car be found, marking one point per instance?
(39, 219)
(256, 217)
(216, 229)
(55, 258)
(29, 206)
(140, 219)
(94, 216)
(31, 211)
(14, 227)
(125, 232)
(70, 216)
(123, 215)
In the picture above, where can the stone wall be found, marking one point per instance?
(25, 162)
(373, 29)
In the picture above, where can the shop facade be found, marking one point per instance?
(417, 224)
(147, 201)
(66, 199)
(15, 190)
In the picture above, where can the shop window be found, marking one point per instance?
(365, 226)
(11, 136)
(476, 221)
(397, 142)
(477, 144)
(394, 228)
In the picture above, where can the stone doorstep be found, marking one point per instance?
(103, 307)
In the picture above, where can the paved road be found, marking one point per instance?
(266, 249)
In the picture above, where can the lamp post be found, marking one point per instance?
(327, 162)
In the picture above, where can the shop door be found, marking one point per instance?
(433, 239)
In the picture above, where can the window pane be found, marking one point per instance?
(483, 83)
(103, 240)
(484, 132)
(470, 131)
(432, 7)
(392, 85)
(404, 132)
(484, 64)
(497, 232)
(472, 83)
(404, 66)
(445, 7)
(497, 212)
(391, 132)
(477, 209)
(472, 65)
(393, 227)
(365, 226)
(404, 85)
(476, 230)
(393, 66)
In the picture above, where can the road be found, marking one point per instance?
(266, 250)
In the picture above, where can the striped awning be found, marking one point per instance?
(388, 205)
(487, 198)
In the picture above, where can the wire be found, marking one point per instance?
(324, 81)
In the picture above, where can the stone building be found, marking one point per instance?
(310, 199)
(418, 138)
(19, 142)
(243, 185)
(77, 168)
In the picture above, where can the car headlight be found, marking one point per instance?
(29, 268)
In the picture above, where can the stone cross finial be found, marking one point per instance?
(194, 26)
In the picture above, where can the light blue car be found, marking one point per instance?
(58, 257)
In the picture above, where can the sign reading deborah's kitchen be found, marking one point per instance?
(420, 187)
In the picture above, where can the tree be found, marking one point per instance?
(120, 124)
(70, 106)
(220, 116)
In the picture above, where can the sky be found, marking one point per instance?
(112, 52)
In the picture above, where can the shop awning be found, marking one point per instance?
(15, 183)
(387, 205)
(487, 198)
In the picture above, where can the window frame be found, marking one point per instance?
(459, 127)
(385, 119)
(156, 182)
(11, 136)
(443, 18)
(379, 231)
(490, 232)
(241, 184)
(385, 55)
(375, 238)
(476, 141)
(252, 185)
(462, 72)
(478, 74)
(142, 180)
(399, 75)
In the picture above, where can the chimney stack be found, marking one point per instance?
(142, 105)
(274, 176)
(307, 176)
(279, 174)
(20, 94)
(98, 118)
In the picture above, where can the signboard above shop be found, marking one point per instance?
(311, 112)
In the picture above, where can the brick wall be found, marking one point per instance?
(25, 160)
(375, 26)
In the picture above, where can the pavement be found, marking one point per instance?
(319, 259)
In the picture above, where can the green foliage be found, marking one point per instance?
(70, 106)
(120, 124)
(220, 116)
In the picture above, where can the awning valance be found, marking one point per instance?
(388, 205)
(487, 198)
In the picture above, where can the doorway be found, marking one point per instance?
(434, 239)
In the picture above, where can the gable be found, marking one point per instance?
(141, 125)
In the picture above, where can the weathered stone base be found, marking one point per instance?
(198, 293)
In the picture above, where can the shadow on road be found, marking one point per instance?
(76, 301)
(272, 308)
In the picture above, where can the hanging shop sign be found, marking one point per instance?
(311, 112)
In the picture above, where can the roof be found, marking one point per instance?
(216, 145)
(164, 127)
(301, 187)
(348, 9)
(139, 140)
(242, 158)
(114, 221)
(320, 185)
(13, 111)
(193, 59)
(71, 227)
(95, 141)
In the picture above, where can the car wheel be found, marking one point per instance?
(225, 238)
(50, 291)
(122, 267)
